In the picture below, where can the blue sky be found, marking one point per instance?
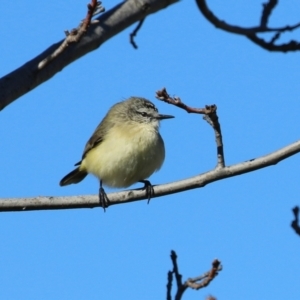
(124, 253)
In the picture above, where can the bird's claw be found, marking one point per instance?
(149, 189)
(103, 199)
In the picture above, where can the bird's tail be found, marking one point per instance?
(73, 177)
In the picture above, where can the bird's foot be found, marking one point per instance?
(103, 199)
(149, 189)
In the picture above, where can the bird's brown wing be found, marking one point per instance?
(96, 138)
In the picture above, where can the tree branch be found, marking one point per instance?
(28, 76)
(204, 280)
(270, 46)
(194, 283)
(251, 32)
(210, 116)
(75, 35)
(267, 11)
(199, 181)
(134, 33)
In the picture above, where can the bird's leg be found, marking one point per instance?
(149, 189)
(103, 199)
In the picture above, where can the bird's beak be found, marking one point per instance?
(162, 117)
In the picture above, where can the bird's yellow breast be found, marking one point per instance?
(126, 155)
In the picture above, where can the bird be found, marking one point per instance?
(125, 148)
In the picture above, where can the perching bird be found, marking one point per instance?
(125, 148)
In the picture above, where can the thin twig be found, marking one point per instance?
(169, 285)
(270, 46)
(194, 283)
(74, 36)
(180, 287)
(251, 32)
(178, 276)
(205, 279)
(210, 115)
(134, 33)
(267, 11)
(275, 38)
(145, 7)
(164, 96)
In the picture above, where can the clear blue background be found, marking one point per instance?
(124, 253)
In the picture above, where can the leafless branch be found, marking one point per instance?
(169, 285)
(270, 46)
(295, 223)
(199, 181)
(164, 96)
(28, 76)
(75, 34)
(134, 33)
(251, 32)
(137, 28)
(205, 279)
(267, 11)
(210, 115)
(180, 287)
(175, 271)
(194, 283)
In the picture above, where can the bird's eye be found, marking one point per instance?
(143, 114)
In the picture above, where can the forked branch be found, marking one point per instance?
(210, 115)
(199, 181)
(252, 32)
(196, 283)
